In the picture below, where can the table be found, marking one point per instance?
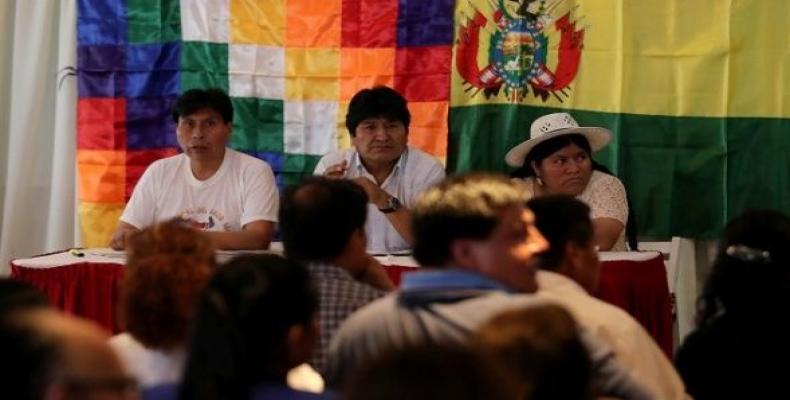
(89, 285)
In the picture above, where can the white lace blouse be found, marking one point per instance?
(605, 195)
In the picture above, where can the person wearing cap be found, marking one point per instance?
(391, 172)
(557, 160)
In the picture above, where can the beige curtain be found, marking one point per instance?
(37, 128)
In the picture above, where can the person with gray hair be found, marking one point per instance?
(479, 240)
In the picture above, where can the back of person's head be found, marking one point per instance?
(159, 296)
(15, 294)
(430, 372)
(319, 215)
(750, 277)
(253, 313)
(27, 358)
(47, 354)
(194, 100)
(542, 348)
(460, 207)
(171, 237)
(561, 220)
(378, 102)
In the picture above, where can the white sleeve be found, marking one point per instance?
(321, 166)
(431, 176)
(434, 176)
(140, 211)
(331, 159)
(608, 199)
(261, 197)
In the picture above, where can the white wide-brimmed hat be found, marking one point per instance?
(553, 125)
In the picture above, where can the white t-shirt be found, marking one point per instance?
(414, 172)
(243, 190)
(150, 367)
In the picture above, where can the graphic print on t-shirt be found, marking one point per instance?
(204, 219)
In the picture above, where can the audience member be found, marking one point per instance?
(49, 355)
(157, 304)
(740, 344)
(15, 295)
(255, 321)
(170, 238)
(431, 372)
(478, 234)
(543, 351)
(569, 275)
(228, 194)
(323, 224)
(391, 172)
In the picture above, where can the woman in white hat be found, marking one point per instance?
(557, 160)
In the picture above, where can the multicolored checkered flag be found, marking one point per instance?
(290, 67)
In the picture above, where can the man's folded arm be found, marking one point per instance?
(255, 235)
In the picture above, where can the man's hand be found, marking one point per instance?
(400, 219)
(376, 194)
(120, 238)
(337, 170)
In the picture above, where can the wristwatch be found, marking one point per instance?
(393, 204)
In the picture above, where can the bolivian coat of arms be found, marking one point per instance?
(518, 49)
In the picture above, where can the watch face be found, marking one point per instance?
(392, 205)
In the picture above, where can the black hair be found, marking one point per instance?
(378, 102)
(754, 274)
(549, 147)
(542, 348)
(241, 323)
(28, 357)
(430, 372)
(319, 215)
(195, 99)
(561, 219)
(15, 295)
(460, 207)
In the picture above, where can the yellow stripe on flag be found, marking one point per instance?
(664, 57)
(98, 221)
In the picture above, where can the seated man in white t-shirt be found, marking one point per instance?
(392, 173)
(229, 195)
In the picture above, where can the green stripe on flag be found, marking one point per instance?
(257, 124)
(686, 176)
(298, 166)
(154, 21)
(204, 65)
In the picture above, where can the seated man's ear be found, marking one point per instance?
(573, 255)
(360, 237)
(300, 340)
(462, 254)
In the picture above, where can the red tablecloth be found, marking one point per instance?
(641, 289)
(91, 289)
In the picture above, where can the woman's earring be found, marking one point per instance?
(540, 181)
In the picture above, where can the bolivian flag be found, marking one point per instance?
(697, 93)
